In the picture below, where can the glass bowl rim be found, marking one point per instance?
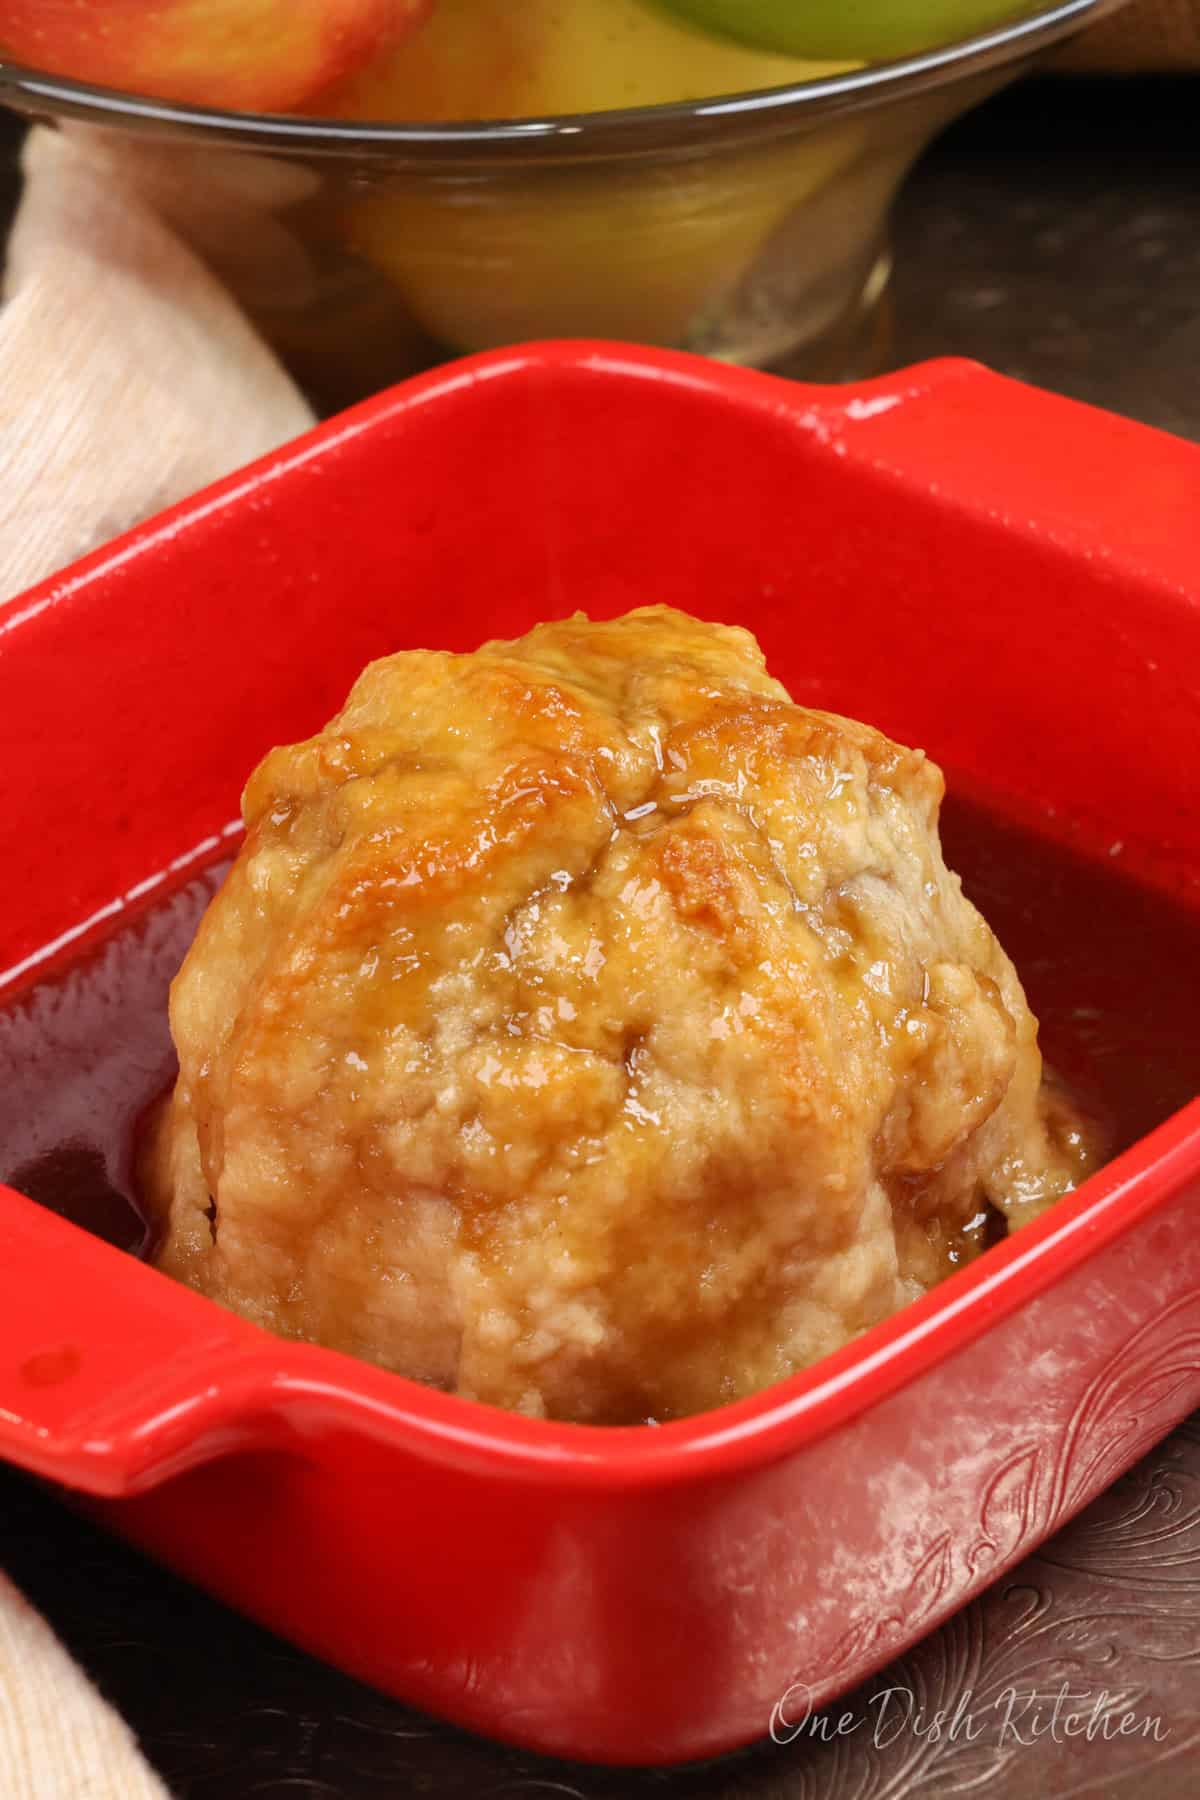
(679, 126)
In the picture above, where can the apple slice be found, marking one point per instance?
(491, 59)
(246, 55)
(870, 30)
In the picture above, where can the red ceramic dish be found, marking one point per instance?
(1008, 578)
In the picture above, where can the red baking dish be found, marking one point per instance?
(1006, 578)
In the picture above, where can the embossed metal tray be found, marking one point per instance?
(1006, 577)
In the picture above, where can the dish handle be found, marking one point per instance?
(112, 1377)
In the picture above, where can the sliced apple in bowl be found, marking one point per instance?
(245, 55)
(870, 30)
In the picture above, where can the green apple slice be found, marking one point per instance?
(867, 30)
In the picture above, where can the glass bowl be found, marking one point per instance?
(750, 227)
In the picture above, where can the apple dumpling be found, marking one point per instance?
(587, 1029)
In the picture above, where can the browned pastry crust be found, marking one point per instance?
(586, 1028)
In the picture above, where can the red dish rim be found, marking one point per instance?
(745, 1433)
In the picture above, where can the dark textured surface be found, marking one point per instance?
(1108, 1612)
(1057, 237)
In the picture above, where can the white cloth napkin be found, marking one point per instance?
(128, 378)
(58, 1738)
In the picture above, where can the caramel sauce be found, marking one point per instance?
(83, 1055)
(1110, 969)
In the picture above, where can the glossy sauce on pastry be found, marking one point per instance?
(586, 1028)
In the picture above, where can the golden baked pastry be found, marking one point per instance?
(586, 1028)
